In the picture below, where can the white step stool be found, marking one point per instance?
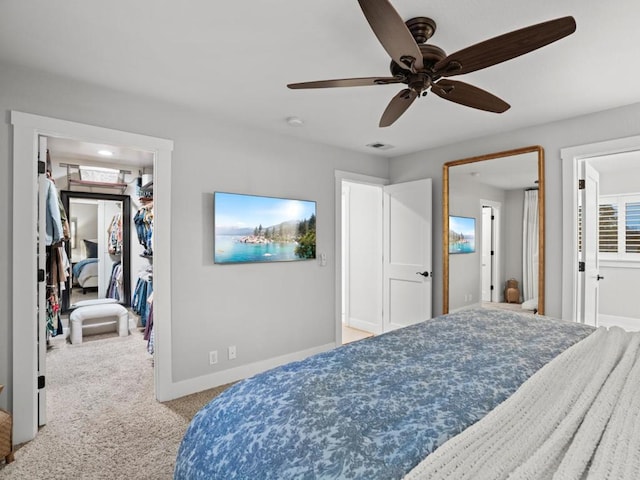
(97, 316)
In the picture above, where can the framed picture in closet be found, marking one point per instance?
(260, 229)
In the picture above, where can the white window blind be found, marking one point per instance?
(608, 228)
(632, 227)
(619, 227)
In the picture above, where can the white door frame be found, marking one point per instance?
(341, 175)
(571, 158)
(26, 129)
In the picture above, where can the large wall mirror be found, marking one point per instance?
(99, 248)
(493, 231)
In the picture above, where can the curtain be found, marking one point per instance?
(530, 245)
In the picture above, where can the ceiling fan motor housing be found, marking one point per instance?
(422, 80)
(421, 28)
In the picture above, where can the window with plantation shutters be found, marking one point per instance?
(619, 227)
(608, 228)
(632, 227)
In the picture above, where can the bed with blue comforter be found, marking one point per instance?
(373, 409)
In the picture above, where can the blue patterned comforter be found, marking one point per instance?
(372, 409)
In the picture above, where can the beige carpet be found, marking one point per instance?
(103, 420)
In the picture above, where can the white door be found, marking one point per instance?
(407, 269)
(486, 253)
(42, 285)
(591, 276)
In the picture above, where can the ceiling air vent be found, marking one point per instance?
(379, 146)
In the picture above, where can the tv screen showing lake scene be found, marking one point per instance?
(251, 228)
(462, 234)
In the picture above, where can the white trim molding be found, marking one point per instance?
(26, 130)
(212, 380)
(341, 175)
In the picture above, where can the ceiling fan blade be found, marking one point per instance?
(392, 33)
(468, 95)
(346, 82)
(397, 106)
(505, 47)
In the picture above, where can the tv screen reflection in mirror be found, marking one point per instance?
(462, 234)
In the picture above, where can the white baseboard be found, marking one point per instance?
(364, 325)
(627, 323)
(204, 382)
(465, 307)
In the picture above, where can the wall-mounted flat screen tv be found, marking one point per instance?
(252, 228)
(462, 234)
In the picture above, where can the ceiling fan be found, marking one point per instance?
(423, 66)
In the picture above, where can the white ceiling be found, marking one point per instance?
(506, 173)
(234, 60)
(83, 153)
(629, 162)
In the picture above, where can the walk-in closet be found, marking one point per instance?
(98, 204)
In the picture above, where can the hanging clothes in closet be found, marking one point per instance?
(143, 220)
(115, 289)
(144, 288)
(148, 329)
(114, 235)
(58, 266)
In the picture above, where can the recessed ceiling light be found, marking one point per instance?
(295, 121)
(105, 153)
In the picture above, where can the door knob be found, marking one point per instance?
(599, 277)
(424, 274)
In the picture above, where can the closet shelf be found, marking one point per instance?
(76, 170)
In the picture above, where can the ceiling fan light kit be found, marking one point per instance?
(423, 67)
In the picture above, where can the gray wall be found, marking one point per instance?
(513, 211)
(87, 229)
(265, 310)
(607, 125)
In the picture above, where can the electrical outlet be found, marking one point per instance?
(232, 352)
(213, 357)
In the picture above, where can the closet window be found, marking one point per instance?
(99, 174)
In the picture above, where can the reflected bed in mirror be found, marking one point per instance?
(502, 196)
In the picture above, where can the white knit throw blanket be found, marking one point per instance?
(577, 417)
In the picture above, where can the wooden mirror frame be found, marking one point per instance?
(445, 218)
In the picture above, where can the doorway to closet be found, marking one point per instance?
(103, 199)
(29, 386)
